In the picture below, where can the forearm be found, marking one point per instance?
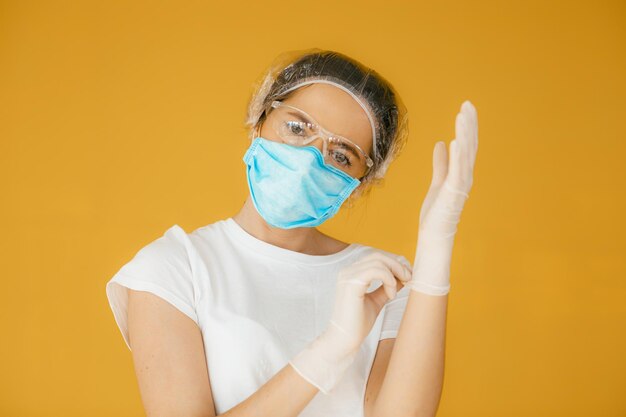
(414, 379)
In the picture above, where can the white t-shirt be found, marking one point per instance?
(257, 306)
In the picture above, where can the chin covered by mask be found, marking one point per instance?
(291, 186)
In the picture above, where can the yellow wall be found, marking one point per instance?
(120, 119)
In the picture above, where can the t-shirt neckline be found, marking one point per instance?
(260, 246)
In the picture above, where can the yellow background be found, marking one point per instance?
(120, 119)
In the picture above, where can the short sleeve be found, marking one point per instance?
(162, 268)
(394, 310)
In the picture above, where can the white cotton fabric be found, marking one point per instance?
(257, 306)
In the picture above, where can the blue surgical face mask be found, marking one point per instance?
(291, 186)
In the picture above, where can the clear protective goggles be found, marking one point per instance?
(295, 127)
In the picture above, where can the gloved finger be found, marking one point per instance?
(364, 274)
(476, 128)
(455, 177)
(360, 279)
(470, 129)
(472, 122)
(457, 148)
(408, 272)
(468, 149)
(465, 121)
(428, 202)
(380, 296)
(474, 139)
(440, 164)
(388, 279)
(395, 266)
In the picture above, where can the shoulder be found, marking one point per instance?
(171, 248)
(174, 239)
(176, 243)
(161, 267)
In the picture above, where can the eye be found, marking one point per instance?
(341, 158)
(296, 128)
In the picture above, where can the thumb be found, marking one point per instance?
(440, 164)
(383, 293)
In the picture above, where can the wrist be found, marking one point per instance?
(324, 361)
(431, 271)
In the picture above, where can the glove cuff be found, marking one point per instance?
(429, 289)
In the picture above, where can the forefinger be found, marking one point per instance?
(397, 268)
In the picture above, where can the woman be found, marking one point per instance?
(255, 314)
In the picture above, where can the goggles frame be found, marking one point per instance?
(326, 136)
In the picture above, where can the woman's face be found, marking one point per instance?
(333, 109)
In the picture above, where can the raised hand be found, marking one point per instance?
(441, 210)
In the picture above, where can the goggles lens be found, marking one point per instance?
(296, 128)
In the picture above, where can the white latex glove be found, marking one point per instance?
(441, 209)
(324, 361)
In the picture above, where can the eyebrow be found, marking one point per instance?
(345, 145)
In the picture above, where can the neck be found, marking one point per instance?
(306, 240)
